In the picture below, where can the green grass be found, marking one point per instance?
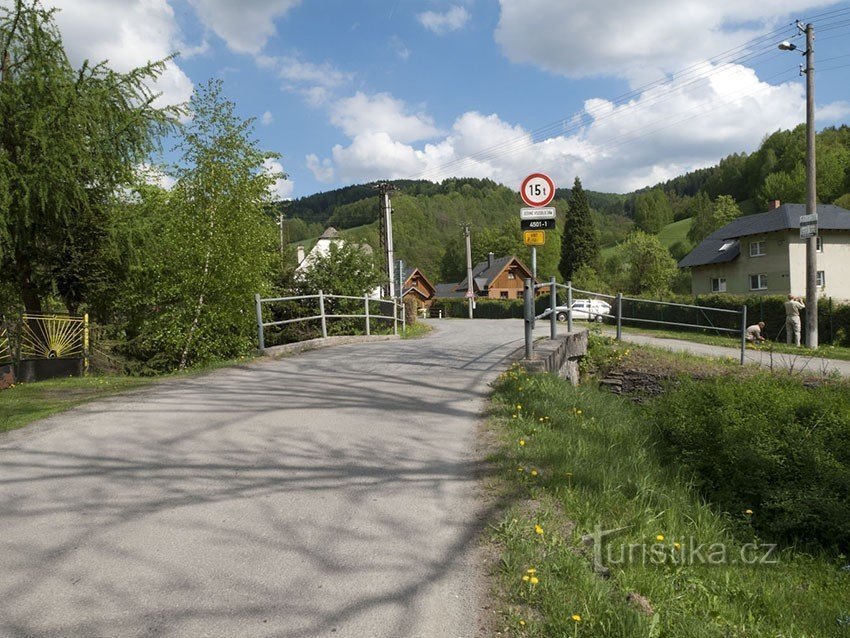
(573, 460)
(675, 232)
(27, 402)
(24, 403)
(669, 235)
(729, 341)
(416, 330)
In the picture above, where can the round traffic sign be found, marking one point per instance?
(537, 190)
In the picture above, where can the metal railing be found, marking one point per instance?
(323, 316)
(553, 312)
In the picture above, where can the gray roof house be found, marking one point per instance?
(763, 254)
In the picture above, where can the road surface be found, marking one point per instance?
(328, 494)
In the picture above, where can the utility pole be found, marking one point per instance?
(280, 223)
(384, 189)
(811, 199)
(811, 181)
(469, 293)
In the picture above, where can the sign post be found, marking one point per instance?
(537, 190)
(808, 226)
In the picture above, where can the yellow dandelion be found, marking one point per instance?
(677, 545)
(518, 406)
(531, 570)
(578, 411)
(540, 419)
(534, 580)
(520, 469)
(576, 618)
(526, 578)
(534, 472)
(522, 442)
(522, 623)
(660, 537)
(748, 512)
(514, 415)
(538, 529)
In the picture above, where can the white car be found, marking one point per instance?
(585, 309)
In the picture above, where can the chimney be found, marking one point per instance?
(300, 254)
(490, 257)
(774, 204)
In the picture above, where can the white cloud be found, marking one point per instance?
(398, 47)
(267, 118)
(322, 170)
(835, 112)
(282, 188)
(381, 113)
(440, 23)
(245, 25)
(578, 38)
(156, 175)
(315, 82)
(128, 34)
(612, 147)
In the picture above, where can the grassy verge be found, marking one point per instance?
(27, 402)
(577, 463)
(416, 330)
(825, 351)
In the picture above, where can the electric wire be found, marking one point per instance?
(746, 52)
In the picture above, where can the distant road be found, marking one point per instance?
(328, 494)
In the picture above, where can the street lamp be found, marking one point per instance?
(811, 192)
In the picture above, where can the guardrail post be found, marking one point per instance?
(366, 301)
(395, 316)
(528, 298)
(570, 306)
(322, 313)
(743, 332)
(86, 354)
(553, 304)
(619, 316)
(261, 340)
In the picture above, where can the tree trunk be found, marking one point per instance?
(191, 336)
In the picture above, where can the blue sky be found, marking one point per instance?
(349, 91)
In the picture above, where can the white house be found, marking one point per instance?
(323, 248)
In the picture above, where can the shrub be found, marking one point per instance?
(766, 444)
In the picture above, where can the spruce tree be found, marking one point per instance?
(579, 242)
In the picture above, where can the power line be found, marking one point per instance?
(686, 77)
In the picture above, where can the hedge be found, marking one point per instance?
(765, 444)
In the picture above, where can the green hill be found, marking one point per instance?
(675, 232)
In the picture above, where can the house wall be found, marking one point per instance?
(785, 266)
(503, 282)
(834, 260)
(774, 263)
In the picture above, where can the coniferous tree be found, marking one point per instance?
(70, 139)
(579, 242)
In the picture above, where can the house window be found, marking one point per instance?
(511, 275)
(718, 284)
(819, 242)
(519, 294)
(820, 279)
(503, 294)
(757, 248)
(758, 282)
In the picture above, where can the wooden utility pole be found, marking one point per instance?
(386, 235)
(811, 193)
(469, 293)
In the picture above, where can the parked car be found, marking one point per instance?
(585, 309)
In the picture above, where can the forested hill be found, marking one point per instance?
(428, 216)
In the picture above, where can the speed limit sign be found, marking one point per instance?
(537, 190)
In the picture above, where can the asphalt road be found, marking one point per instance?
(329, 494)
